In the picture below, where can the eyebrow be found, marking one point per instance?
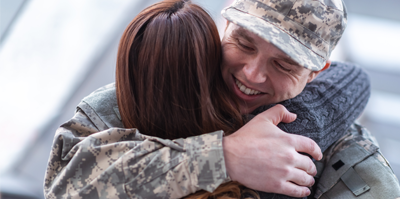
(242, 33)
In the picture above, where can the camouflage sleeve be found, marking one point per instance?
(122, 163)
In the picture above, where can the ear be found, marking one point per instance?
(327, 65)
(314, 74)
(227, 24)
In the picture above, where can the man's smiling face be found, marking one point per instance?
(257, 72)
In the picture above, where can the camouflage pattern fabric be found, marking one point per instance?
(306, 30)
(358, 152)
(356, 134)
(122, 163)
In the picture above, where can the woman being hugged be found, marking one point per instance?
(168, 85)
(168, 79)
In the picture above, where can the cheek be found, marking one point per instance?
(286, 91)
(285, 88)
(281, 82)
(225, 73)
(225, 58)
(225, 67)
(299, 87)
(231, 60)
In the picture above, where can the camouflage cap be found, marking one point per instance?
(306, 30)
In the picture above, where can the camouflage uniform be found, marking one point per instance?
(90, 158)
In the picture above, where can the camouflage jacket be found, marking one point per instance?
(91, 160)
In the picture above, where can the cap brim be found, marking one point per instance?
(272, 34)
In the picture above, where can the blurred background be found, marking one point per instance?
(53, 53)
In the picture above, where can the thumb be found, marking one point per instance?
(278, 114)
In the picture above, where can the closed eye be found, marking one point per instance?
(282, 67)
(245, 47)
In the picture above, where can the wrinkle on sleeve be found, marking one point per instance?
(171, 173)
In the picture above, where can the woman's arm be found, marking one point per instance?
(328, 105)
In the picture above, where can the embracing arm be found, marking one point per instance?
(88, 152)
(330, 104)
(123, 163)
(327, 106)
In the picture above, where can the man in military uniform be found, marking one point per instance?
(268, 44)
(272, 49)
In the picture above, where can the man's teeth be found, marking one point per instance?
(246, 90)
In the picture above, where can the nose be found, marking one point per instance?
(255, 71)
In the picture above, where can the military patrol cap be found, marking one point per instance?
(306, 30)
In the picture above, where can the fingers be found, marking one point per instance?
(301, 178)
(303, 144)
(307, 145)
(304, 163)
(278, 114)
(294, 190)
(288, 117)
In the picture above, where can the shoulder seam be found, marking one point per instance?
(94, 117)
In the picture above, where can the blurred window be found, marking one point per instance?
(45, 55)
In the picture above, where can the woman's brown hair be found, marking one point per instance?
(168, 77)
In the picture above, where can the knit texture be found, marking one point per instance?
(327, 106)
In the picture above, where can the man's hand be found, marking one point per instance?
(262, 157)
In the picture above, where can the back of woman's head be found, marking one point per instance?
(167, 69)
